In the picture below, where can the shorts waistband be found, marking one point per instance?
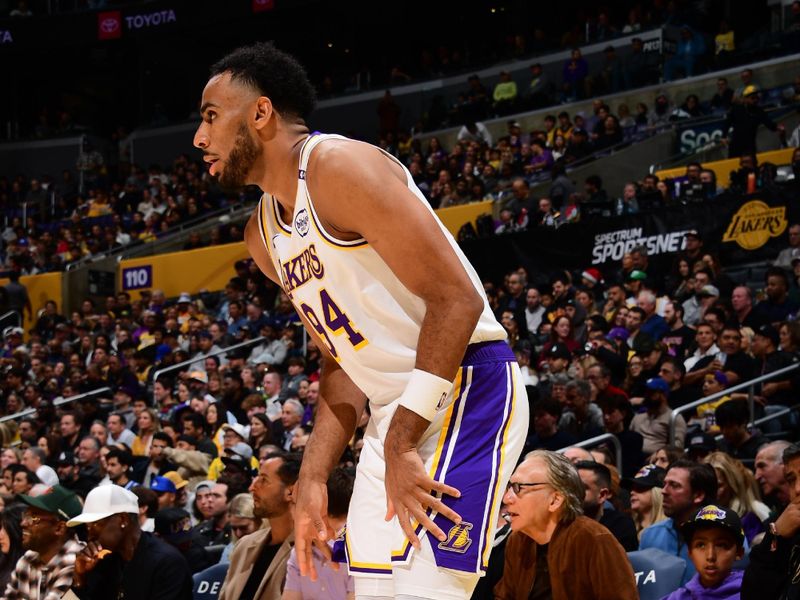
(483, 352)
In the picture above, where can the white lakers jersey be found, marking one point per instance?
(369, 321)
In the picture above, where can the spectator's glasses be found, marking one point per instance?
(35, 519)
(516, 486)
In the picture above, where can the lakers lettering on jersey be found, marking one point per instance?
(368, 320)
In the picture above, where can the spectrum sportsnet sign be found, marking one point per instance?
(110, 23)
(612, 245)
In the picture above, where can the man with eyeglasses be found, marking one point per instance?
(46, 569)
(551, 536)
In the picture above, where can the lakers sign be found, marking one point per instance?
(755, 223)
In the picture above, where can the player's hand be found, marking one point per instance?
(789, 521)
(410, 491)
(311, 526)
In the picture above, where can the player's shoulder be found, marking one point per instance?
(344, 158)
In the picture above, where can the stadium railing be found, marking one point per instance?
(219, 352)
(596, 441)
(747, 385)
(58, 402)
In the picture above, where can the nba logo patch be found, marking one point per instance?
(301, 222)
(458, 539)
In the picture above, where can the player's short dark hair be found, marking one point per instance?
(147, 498)
(274, 74)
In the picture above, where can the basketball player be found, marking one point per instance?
(402, 317)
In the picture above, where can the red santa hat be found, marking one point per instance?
(592, 275)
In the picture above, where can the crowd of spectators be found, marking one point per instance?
(611, 351)
(479, 168)
(51, 223)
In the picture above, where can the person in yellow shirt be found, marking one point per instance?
(713, 383)
(724, 41)
(505, 94)
(234, 442)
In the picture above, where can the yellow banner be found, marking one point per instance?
(41, 288)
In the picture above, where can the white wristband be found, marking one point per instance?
(425, 393)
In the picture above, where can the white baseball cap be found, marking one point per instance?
(104, 501)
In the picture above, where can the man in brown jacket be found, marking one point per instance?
(554, 551)
(258, 562)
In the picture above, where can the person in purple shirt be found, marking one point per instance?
(331, 583)
(716, 541)
(574, 76)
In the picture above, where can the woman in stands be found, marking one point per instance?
(560, 333)
(679, 283)
(736, 489)
(148, 424)
(634, 381)
(10, 541)
(789, 333)
(215, 425)
(259, 431)
(646, 497)
(664, 457)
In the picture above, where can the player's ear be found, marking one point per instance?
(264, 112)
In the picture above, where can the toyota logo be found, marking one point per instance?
(109, 25)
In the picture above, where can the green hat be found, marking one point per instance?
(57, 500)
(637, 275)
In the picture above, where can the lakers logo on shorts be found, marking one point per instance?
(458, 539)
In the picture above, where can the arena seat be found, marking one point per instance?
(657, 573)
(208, 583)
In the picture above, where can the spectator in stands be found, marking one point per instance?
(582, 418)
(691, 47)
(654, 326)
(787, 255)
(540, 89)
(735, 489)
(574, 74)
(654, 424)
(779, 393)
(543, 503)
(597, 483)
(687, 487)
(474, 132)
(723, 98)
(534, 311)
(661, 113)
(546, 433)
(715, 541)
(617, 416)
(259, 561)
(334, 584)
(144, 564)
(504, 95)
(745, 117)
(774, 562)
(769, 473)
(646, 496)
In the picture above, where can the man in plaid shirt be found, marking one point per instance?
(45, 571)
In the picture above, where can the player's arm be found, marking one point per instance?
(359, 190)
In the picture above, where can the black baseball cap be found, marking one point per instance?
(649, 476)
(713, 515)
(173, 525)
(559, 350)
(768, 331)
(701, 441)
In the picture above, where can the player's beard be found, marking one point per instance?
(240, 161)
